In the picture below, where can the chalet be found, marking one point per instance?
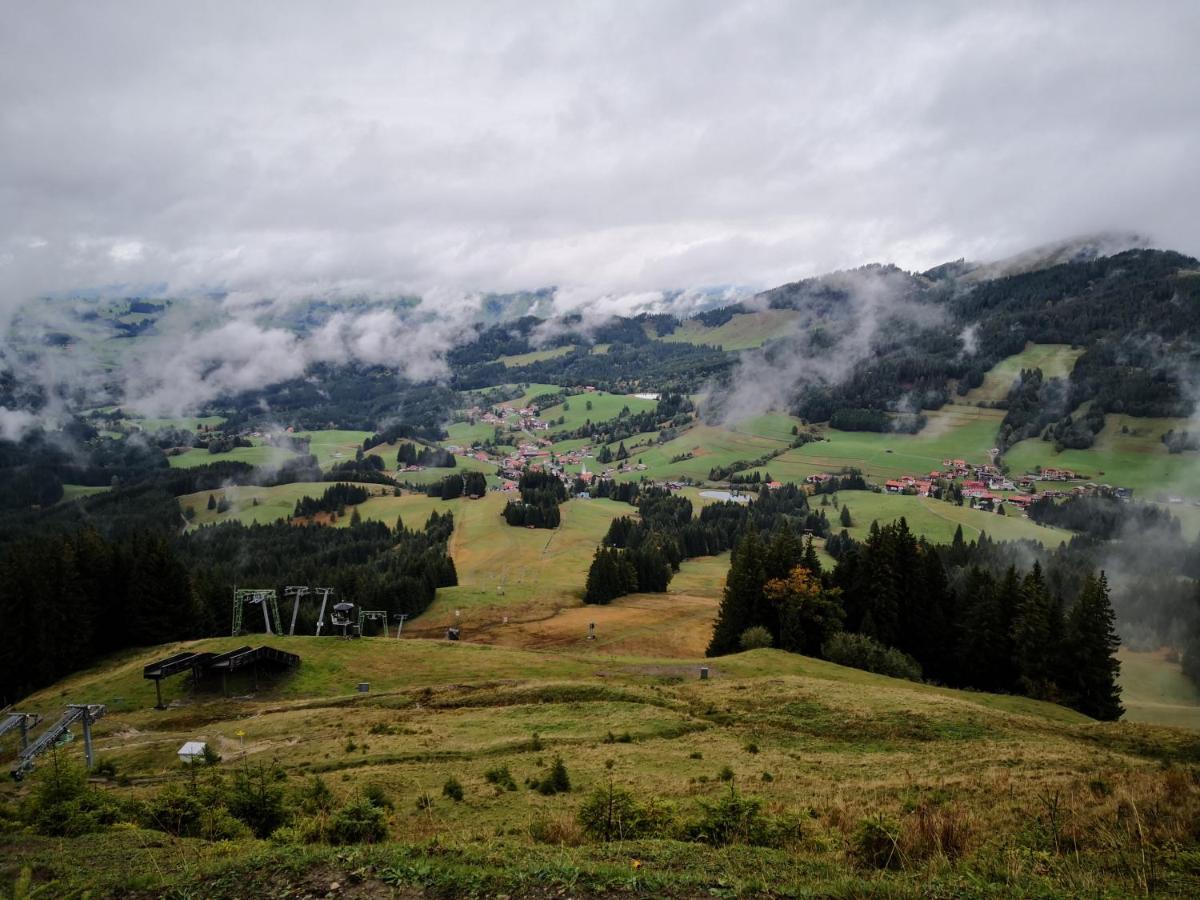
(923, 488)
(1057, 474)
(895, 487)
(973, 486)
(819, 478)
(1021, 500)
(774, 485)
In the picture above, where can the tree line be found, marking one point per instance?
(74, 595)
(665, 533)
(959, 624)
(541, 494)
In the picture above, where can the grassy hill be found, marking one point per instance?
(1055, 361)
(1026, 796)
(742, 332)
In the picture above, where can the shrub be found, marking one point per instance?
(876, 843)
(424, 801)
(210, 756)
(191, 814)
(378, 796)
(105, 769)
(755, 638)
(358, 822)
(735, 819)
(316, 797)
(862, 652)
(557, 781)
(501, 777)
(63, 804)
(612, 814)
(726, 773)
(256, 798)
(452, 789)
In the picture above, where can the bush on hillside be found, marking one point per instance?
(359, 822)
(862, 652)
(755, 638)
(613, 814)
(63, 804)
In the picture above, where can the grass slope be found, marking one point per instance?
(741, 332)
(1128, 452)
(1155, 691)
(839, 747)
(1055, 361)
(258, 455)
(937, 520)
(523, 359)
(333, 445)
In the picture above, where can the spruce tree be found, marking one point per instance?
(743, 592)
(1032, 630)
(845, 519)
(1092, 644)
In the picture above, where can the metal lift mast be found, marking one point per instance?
(24, 721)
(296, 591)
(324, 592)
(270, 607)
(86, 713)
(375, 615)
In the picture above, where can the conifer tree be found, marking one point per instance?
(1032, 636)
(743, 592)
(1091, 651)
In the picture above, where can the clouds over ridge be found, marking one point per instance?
(608, 148)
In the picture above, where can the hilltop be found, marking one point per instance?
(975, 789)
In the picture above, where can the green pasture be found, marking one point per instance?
(1055, 361)
(1128, 453)
(741, 332)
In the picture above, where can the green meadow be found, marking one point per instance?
(1055, 361)
(742, 332)
(1128, 453)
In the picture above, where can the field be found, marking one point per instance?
(521, 573)
(604, 406)
(259, 455)
(1128, 453)
(187, 423)
(273, 503)
(741, 332)
(1155, 691)
(823, 747)
(937, 520)
(1055, 361)
(524, 359)
(332, 446)
(75, 491)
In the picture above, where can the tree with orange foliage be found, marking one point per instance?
(808, 613)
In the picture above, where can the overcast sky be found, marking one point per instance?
(628, 146)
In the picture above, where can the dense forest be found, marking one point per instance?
(541, 494)
(642, 554)
(73, 596)
(898, 605)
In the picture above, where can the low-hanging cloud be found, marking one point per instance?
(838, 320)
(269, 147)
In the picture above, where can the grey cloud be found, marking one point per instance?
(616, 148)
